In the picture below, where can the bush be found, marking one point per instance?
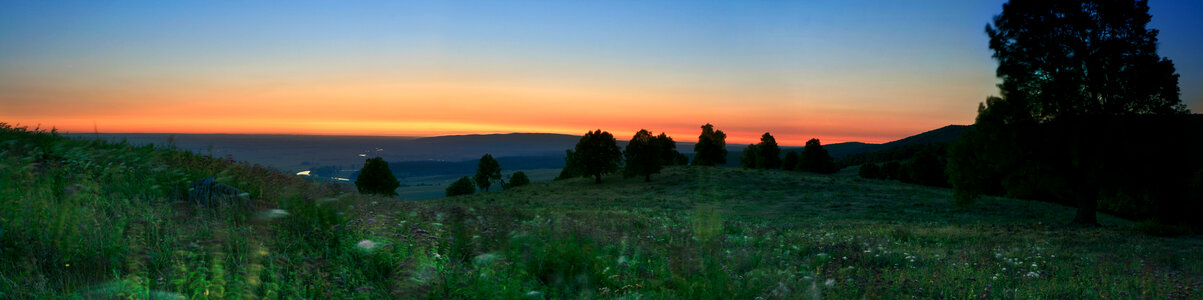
(463, 186)
(870, 171)
(518, 179)
(376, 178)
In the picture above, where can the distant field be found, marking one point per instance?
(433, 187)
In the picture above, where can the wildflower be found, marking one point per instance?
(829, 282)
(1032, 275)
(366, 244)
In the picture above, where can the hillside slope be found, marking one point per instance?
(97, 220)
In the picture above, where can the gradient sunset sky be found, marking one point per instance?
(869, 71)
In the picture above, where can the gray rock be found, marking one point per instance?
(210, 192)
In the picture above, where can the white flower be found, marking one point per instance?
(829, 282)
(366, 244)
(1032, 275)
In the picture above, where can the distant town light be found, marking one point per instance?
(303, 173)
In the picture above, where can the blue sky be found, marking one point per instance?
(841, 70)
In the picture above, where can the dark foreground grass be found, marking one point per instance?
(86, 219)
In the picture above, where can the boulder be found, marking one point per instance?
(210, 192)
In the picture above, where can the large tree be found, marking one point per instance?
(815, 159)
(597, 153)
(1065, 67)
(668, 149)
(711, 148)
(645, 155)
(376, 178)
(768, 153)
(488, 170)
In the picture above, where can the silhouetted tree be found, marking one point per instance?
(572, 168)
(487, 171)
(597, 153)
(815, 159)
(711, 148)
(668, 150)
(1063, 64)
(790, 162)
(751, 154)
(518, 179)
(768, 154)
(870, 171)
(463, 186)
(644, 154)
(376, 178)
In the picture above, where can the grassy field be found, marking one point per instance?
(84, 219)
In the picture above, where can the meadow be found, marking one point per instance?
(90, 219)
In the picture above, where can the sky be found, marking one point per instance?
(840, 71)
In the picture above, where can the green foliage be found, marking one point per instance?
(376, 178)
(597, 153)
(751, 154)
(870, 171)
(711, 148)
(790, 162)
(646, 154)
(487, 172)
(768, 154)
(463, 186)
(517, 179)
(815, 159)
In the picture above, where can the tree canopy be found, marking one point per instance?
(488, 170)
(597, 153)
(815, 159)
(376, 178)
(768, 153)
(711, 148)
(645, 155)
(1068, 69)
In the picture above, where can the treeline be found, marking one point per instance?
(767, 155)
(917, 164)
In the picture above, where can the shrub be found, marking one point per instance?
(870, 171)
(463, 186)
(518, 179)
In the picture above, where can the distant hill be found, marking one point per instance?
(838, 150)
